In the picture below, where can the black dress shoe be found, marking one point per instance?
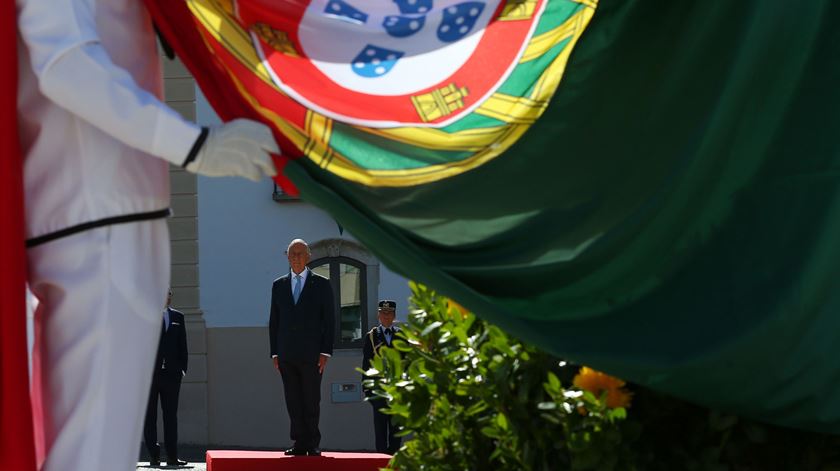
(313, 452)
(294, 451)
(176, 462)
(154, 462)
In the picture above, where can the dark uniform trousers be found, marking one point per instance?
(383, 428)
(302, 389)
(170, 364)
(385, 431)
(166, 385)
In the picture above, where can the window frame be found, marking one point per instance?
(281, 196)
(334, 263)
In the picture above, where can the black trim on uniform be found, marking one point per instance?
(161, 213)
(196, 146)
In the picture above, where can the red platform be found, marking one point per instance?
(232, 460)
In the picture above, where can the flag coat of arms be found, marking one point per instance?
(395, 93)
(649, 188)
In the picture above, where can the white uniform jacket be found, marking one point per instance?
(95, 135)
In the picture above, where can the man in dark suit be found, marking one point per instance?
(170, 367)
(301, 329)
(381, 336)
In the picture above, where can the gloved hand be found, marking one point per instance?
(239, 148)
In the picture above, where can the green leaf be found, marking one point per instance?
(554, 382)
(619, 413)
(501, 421)
(476, 408)
(401, 345)
(491, 432)
(430, 328)
(394, 361)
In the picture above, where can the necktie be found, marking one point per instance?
(388, 331)
(296, 292)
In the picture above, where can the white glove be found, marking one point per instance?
(239, 148)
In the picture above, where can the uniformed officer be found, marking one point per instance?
(378, 337)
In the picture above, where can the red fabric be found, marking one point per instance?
(231, 460)
(17, 449)
(174, 21)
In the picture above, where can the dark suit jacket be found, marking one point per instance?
(172, 350)
(374, 340)
(301, 332)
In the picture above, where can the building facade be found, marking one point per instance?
(229, 238)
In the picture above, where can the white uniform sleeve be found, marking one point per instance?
(75, 72)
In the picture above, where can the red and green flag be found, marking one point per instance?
(393, 94)
(17, 445)
(649, 188)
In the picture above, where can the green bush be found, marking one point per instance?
(470, 397)
(473, 398)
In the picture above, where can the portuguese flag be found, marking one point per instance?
(17, 446)
(648, 188)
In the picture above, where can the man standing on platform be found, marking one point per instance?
(301, 329)
(170, 368)
(381, 336)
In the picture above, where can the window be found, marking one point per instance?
(348, 280)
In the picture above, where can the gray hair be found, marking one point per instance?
(299, 241)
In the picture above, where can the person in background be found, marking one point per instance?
(170, 367)
(381, 336)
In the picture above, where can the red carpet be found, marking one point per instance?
(231, 460)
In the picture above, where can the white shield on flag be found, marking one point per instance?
(398, 62)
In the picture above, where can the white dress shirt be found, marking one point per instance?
(388, 338)
(303, 275)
